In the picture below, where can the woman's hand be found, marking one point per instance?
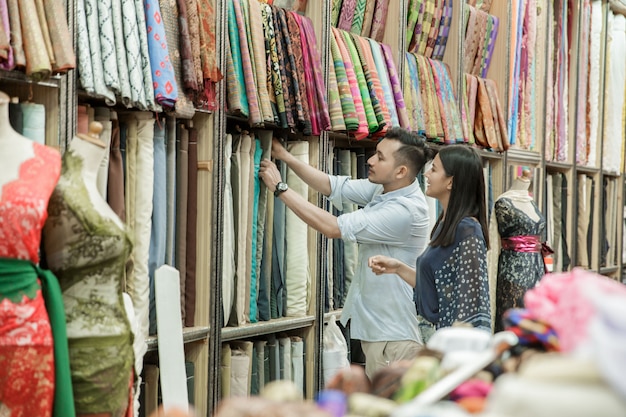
(383, 264)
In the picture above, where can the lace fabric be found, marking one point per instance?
(88, 252)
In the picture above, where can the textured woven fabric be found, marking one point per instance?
(444, 30)
(254, 116)
(284, 68)
(97, 64)
(16, 34)
(383, 74)
(208, 55)
(193, 23)
(376, 90)
(379, 20)
(108, 51)
(85, 72)
(427, 22)
(256, 43)
(348, 109)
(346, 15)
(372, 124)
(396, 87)
(7, 60)
(337, 123)
(134, 59)
(334, 13)
(434, 29)
(274, 85)
(362, 130)
(372, 111)
(359, 14)
(368, 17)
(236, 89)
(45, 31)
(190, 81)
(37, 61)
(124, 90)
(144, 54)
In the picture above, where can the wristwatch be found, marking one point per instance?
(281, 187)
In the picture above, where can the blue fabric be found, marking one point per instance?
(163, 76)
(258, 152)
(159, 217)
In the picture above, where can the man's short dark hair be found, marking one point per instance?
(414, 151)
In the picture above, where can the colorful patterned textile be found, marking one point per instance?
(383, 74)
(530, 330)
(396, 87)
(348, 109)
(255, 117)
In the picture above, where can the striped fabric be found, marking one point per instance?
(432, 118)
(413, 45)
(334, 102)
(495, 23)
(412, 87)
(427, 22)
(376, 90)
(370, 116)
(444, 30)
(383, 74)
(362, 130)
(334, 12)
(348, 109)
(321, 107)
(297, 66)
(434, 29)
(396, 87)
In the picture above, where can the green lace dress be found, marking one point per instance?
(88, 254)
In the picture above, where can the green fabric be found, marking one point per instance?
(372, 123)
(235, 49)
(20, 270)
(359, 13)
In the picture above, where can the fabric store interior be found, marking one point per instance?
(147, 270)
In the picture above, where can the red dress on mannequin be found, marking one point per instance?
(26, 345)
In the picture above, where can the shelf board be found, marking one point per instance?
(337, 314)
(190, 334)
(17, 76)
(609, 270)
(489, 154)
(266, 327)
(558, 167)
(522, 157)
(611, 174)
(587, 170)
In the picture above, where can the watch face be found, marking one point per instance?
(281, 186)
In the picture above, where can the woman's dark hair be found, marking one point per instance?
(414, 151)
(467, 197)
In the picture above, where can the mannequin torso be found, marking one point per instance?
(87, 247)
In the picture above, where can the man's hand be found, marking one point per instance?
(269, 173)
(278, 150)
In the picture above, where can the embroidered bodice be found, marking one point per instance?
(24, 202)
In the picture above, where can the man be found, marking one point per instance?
(393, 222)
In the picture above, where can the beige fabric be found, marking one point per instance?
(228, 236)
(103, 115)
(225, 371)
(584, 197)
(298, 279)
(243, 224)
(379, 355)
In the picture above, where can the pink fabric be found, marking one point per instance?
(563, 301)
(526, 244)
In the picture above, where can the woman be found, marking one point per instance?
(450, 278)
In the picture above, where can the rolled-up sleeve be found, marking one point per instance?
(346, 190)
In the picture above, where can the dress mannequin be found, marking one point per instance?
(517, 231)
(33, 345)
(87, 247)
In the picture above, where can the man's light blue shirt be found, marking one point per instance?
(396, 224)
